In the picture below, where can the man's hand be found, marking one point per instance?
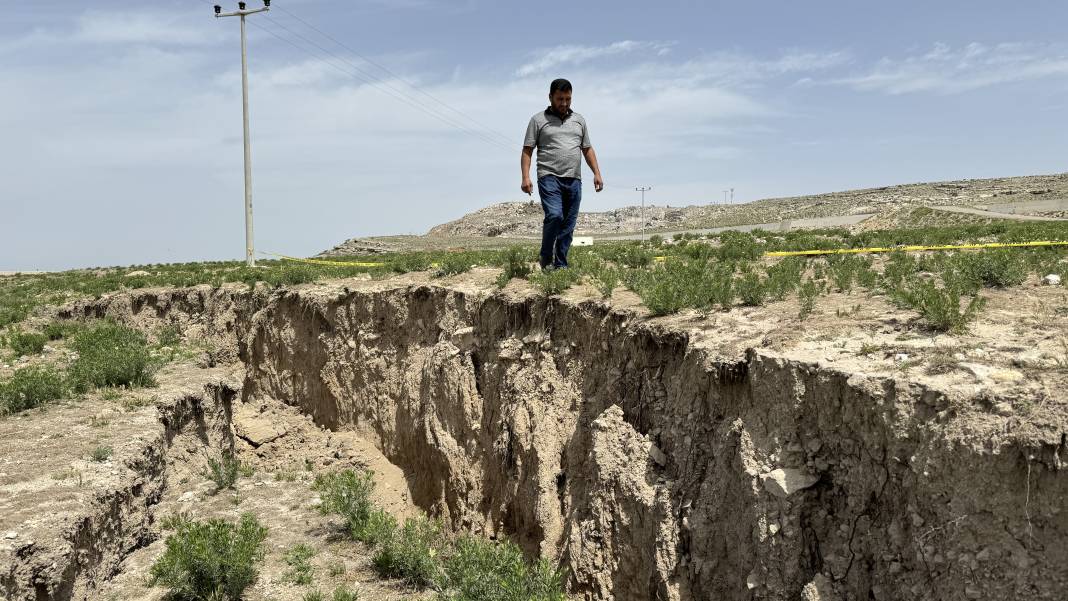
(591, 160)
(527, 187)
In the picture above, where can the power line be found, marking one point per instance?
(392, 91)
(373, 81)
(394, 74)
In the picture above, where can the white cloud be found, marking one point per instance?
(947, 70)
(155, 27)
(576, 55)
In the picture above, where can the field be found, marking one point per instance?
(316, 483)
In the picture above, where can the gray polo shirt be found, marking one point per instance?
(559, 142)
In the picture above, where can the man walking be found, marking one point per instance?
(562, 139)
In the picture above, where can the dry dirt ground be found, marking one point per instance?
(1002, 381)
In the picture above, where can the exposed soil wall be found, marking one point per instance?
(651, 462)
(74, 562)
(657, 468)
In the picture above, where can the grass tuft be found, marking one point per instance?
(300, 568)
(225, 470)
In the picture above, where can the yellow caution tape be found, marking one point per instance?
(324, 261)
(880, 249)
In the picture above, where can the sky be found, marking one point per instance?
(121, 139)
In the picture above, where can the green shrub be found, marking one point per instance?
(213, 560)
(673, 286)
(684, 283)
(111, 355)
(605, 279)
(453, 264)
(628, 255)
(225, 470)
(347, 494)
(784, 277)
(481, 570)
(806, 298)
(300, 568)
(656, 240)
(750, 289)
(898, 268)
(26, 343)
(342, 593)
(735, 246)
(969, 271)
(100, 454)
(170, 335)
(847, 269)
(31, 387)
(940, 307)
(378, 527)
(720, 287)
(554, 281)
(405, 263)
(516, 264)
(58, 330)
(412, 553)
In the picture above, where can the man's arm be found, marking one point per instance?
(524, 167)
(591, 160)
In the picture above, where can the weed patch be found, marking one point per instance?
(213, 560)
(111, 355)
(347, 494)
(225, 471)
(481, 570)
(412, 553)
(516, 264)
(31, 387)
(940, 307)
(25, 343)
(554, 281)
(300, 568)
(100, 454)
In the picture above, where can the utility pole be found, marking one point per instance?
(250, 251)
(643, 190)
(732, 195)
(724, 197)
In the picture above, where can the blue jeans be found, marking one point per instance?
(560, 197)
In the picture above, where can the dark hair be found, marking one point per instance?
(559, 85)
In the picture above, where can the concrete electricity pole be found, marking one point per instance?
(643, 190)
(250, 252)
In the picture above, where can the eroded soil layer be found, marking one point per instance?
(665, 460)
(69, 522)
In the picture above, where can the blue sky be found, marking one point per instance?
(122, 121)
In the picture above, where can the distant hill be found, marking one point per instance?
(524, 219)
